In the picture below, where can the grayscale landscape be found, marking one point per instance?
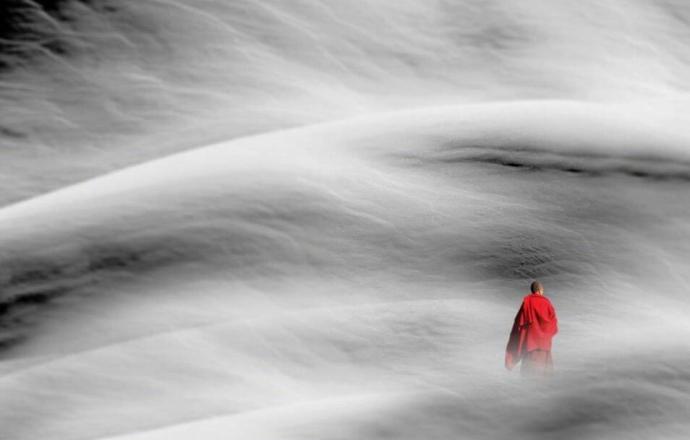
(316, 219)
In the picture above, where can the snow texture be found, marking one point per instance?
(317, 219)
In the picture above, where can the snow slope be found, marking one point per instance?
(316, 219)
(357, 278)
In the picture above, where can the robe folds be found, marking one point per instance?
(530, 338)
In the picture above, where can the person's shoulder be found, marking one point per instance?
(546, 300)
(533, 297)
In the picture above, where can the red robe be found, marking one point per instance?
(530, 339)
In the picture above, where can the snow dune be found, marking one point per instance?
(101, 85)
(316, 219)
(358, 278)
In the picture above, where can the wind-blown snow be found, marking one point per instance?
(351, 269)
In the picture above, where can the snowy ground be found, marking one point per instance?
(316, 220)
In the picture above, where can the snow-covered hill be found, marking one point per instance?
(290, 220)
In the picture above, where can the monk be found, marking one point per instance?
(530, 339)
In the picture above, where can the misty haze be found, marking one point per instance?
(317, 219)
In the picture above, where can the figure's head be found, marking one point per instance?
(536, 287)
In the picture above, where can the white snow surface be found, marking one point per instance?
(316, 220)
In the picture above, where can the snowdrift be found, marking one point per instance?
(358, 278)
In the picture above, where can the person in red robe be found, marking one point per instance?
(530, 339)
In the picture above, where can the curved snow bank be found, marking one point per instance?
(261, 186)
(615, 406)
(380, 256)
(261, 204)
(89, 86)
(540, 129)
(355, 279)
